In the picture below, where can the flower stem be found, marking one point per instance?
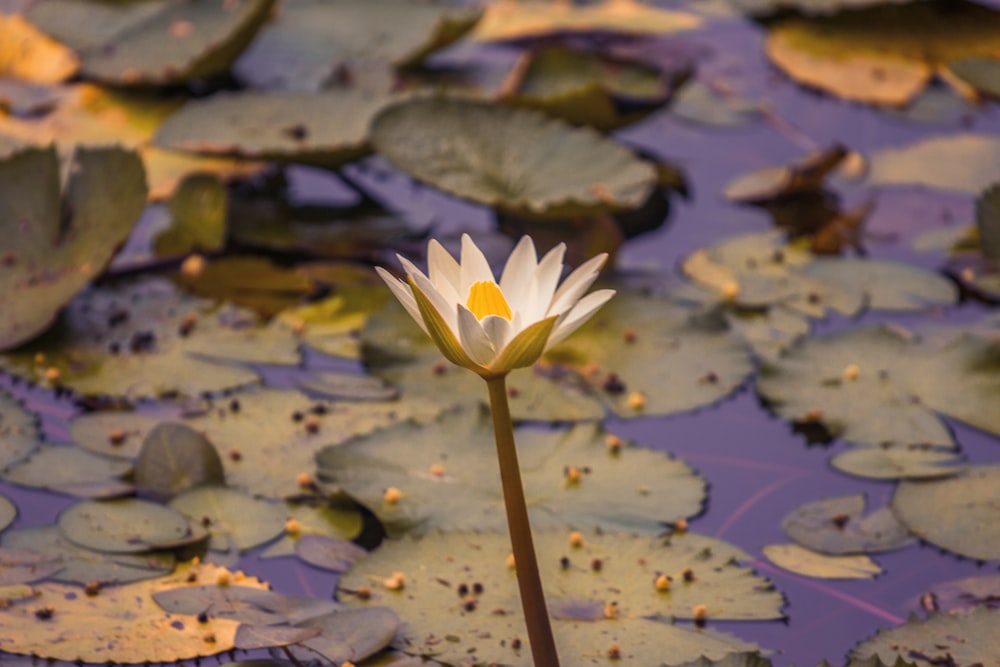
(536, 615)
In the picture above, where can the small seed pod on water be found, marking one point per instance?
(663, 583)
(396, 582)
(293, 527)
(637, 401)
(437, 470)
(392, 495)
(614, 443)
(576, 539)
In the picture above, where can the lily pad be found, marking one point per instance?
(348, 635)
(886, 285)
(983, 74)
(304, 45)
(22, 567)
(19, 434)
(835, 526)
(174, 458)
(82, 566)
(232, 518)
(8, 512)
(71, 470)
(957, 513)
(279, 126)
(850, 55)
(346, 386)
(146, 338)
(465, 580)
(889, 462)
(121, 624)
(800, 560)
(963, 162)
(246, 604)
(198, 210)
(881, 385)
(153, 43)
(809, 7)
(250, 282)
(54, 248)
(122, 526)
(267, 444)
(516, 160)
(317, 517)
(964, 595)
(963, 639)
(328, 553)
(445, 476)
(29, 55)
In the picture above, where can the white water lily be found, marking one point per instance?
(490, 327)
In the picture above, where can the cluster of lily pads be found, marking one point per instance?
(186, 462)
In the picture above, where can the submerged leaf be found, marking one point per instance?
(835, 526)
(348, 635)
(800, 560)
(244, 603)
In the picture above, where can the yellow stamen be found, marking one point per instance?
(485, 298)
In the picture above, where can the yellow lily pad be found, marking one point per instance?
(810, 563)
(27, 54)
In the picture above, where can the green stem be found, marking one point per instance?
(536, 615)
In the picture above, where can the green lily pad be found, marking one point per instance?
(516, 160)
(250, 637)
(8, 512)
(463, 581)
(800, 560)
(988, 222)
(250, 282)
(146, 338)
(71, 470)
(962, 162)
(889, 462)
(698, 103)
(835, 526)
(303, 46)
(962, 639)
(964, 595)
(55, 247)
(246, 604)
(122, 526)
(328, 553)
(348, 635)
(82, 566)
(317, 516)
(956, 513)
(886, 285)
(174, 458)
(768, 332)
(882, 385)
(983, 74)
(22, 567)
(276, 126)
(153, 43)
(446, 476)
(198, 210)
(269, 440)
(232, 518)
(346, 386)
(19, 435)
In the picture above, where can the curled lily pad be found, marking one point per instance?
(276, 126)
(889, 462)
(835, 526)
(441, 478)
(232, 518)
(465, 579)
(146, 338)
(800, 560)
(73, 471)
(122, 526)
(963, 639)
(518, 161)
(956, 513)
(305, 44)
(82, 566)
(881, 385)
(19, 434)
(54, 246)
(153, 43)
(174, 458)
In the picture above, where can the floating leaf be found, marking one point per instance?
(348, 635)
(956, 513)
(879, 385)
(27, 54)
(146, 338)
(518, 161)
(983, 74)
(231, 517)
(174, 458)
(800, 560)
(850, 55)
(317, 517)
(268, 438)
(153, 43)
(961, 639)
(346, 386)
(8, 512)
(19, 435)
(198, 209)
(511, 19)
(328, 553)
(962, 162)
(889, 462)
(303, 46)
(806, 175)
(698, 103)
(122, 526)
(465, 580)
(251, 282)
(886, 285)
(82, 566)
(71, 470)
(246, 604)
(22, 567)
(964, 595)
(121, 624)
(835, 526)
(276, 126)
(56, 247)
(445, 477)
(750, 659)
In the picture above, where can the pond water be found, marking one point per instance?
(757, 468)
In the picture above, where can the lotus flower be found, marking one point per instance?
(492, 328)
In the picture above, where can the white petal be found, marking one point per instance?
(498, 329)
(474, 267)
(516, 278)
(580, 313)
(576, 284)
(444, 307)
(410, 268)
(543, 284)
(443, 271)
(403, 293)
(474, 339)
